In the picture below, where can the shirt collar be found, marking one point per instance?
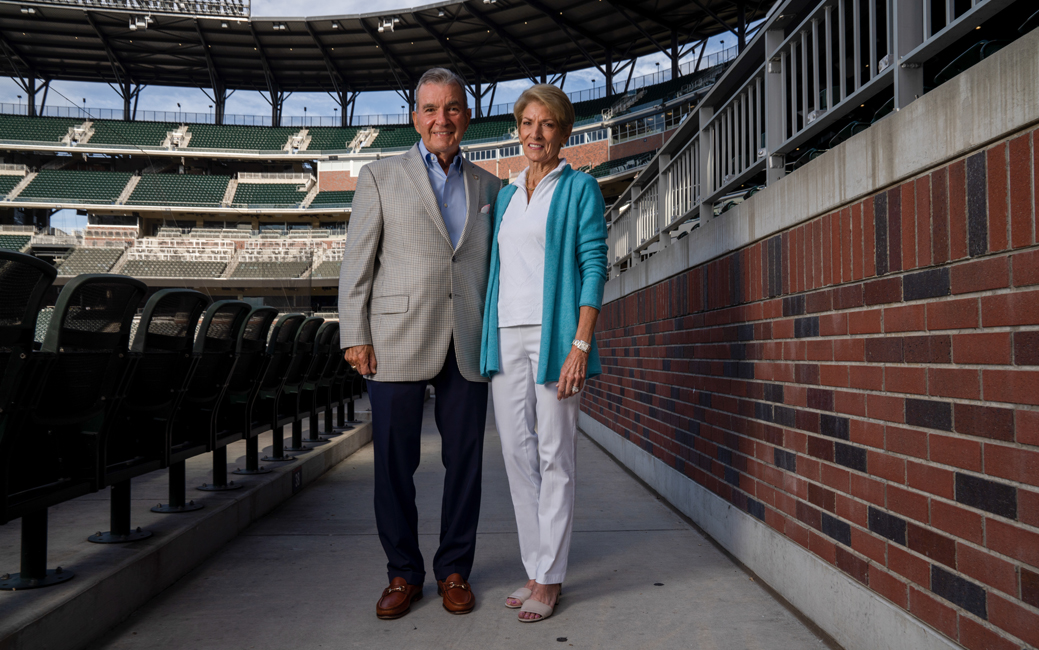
(431, 160)
(521, 180)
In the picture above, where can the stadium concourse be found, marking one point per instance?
(817, 421)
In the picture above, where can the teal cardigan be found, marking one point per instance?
(575, 273)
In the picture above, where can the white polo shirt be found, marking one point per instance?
(521, 251)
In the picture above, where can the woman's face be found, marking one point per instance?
(540, 134)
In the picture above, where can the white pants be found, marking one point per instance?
(539, 442)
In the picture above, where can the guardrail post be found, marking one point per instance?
(909, 33)
(633, 231)
(664, 216)
(706, 162)
(773, 105)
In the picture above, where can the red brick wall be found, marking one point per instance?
(639, 145)
(865, 383)
(336, 181)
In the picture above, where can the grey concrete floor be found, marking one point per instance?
(308, 575)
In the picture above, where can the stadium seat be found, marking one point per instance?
(265, 195)
(393, 137)
(7, 183)
(69, 186)
(270, 269)
(328, 198)
(327, 269)
(263, 414)
(160, 363)
(144, 134)
(89, 259)
(852, 128)
(14, 242)
(1030, 24)
(80, 366)
(213, 136)
(331, 138)
(179, 189)
(314, 391)
(24, 281)
(972, 55)
(215, 347)
(233, 412)
(36, 129)
(291, 408)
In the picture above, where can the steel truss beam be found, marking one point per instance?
(510, 42)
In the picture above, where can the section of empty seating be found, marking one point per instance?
(75, 186)
(391, 137)
(268, 194)
(490, 127)
(179, 189)
(36, 129)
(210, 136)
(270, 269)
(620, 165)
(13, 242)
(89, 259)
(284, 257)
(136, 400)
(593, 107)
(344, 197)
(331, 138)
(144, 134)
(178, 258)
(327, 262)
(7, 183)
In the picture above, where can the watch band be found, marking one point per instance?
(583, 346)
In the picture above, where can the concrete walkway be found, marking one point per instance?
(308, 575)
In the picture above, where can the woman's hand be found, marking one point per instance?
(571, 378)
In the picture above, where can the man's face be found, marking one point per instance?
(441, 117)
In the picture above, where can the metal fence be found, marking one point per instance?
(805, 73)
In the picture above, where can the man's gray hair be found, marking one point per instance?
(441, 77)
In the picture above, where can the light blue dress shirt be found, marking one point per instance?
(449, 189)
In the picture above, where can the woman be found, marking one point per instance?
(544, 292)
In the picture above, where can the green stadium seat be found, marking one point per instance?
(143, 134)
(179, 189)
(257, 195)
(16, 243)
(619, 165)
(7, 183)
(211, 136)
(36, 129)
(391, 137)
(69, 186)
(327, 269)
(331, 138)
(89, 259)
(336, 198)
(173, 269)
(270, 269)
(971, 56)
(849, 130)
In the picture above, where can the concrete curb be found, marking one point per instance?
(97, 602)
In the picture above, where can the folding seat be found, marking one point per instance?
(233, 411)
(263, 414)
(290, 406)
(160, 363)
(49, 444)
(314, 391)
(216, 348)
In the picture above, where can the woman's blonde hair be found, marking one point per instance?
(552, 98)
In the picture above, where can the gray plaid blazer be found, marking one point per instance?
(402, 288)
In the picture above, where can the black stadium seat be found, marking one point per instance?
(244, 384)
(314, 391)
(216, 348)
(160, 363)
(24, 280)
(290, 407)
(263, 414)
(64, 411)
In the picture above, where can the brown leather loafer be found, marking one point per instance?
(458, 595)
(397, 598)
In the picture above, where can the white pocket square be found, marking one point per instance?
(486, 209)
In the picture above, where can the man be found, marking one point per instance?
(411, 296)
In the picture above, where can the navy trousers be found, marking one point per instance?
(461, 413)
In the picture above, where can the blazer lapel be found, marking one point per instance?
(419, 177)
(472, 202)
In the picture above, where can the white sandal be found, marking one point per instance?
(535, 607)
(521, 594)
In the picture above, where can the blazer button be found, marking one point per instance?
(454, 258)
(449, 296)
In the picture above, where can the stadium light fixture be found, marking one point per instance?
(335, 24)
(440, 13)
(223, 24)
(28, 10)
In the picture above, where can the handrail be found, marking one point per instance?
(791, 84)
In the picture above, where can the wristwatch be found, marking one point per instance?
(583, 346)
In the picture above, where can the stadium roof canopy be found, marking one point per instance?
(215, 44)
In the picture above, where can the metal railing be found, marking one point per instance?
(794, 82)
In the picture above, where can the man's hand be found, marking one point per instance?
(362, 359)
